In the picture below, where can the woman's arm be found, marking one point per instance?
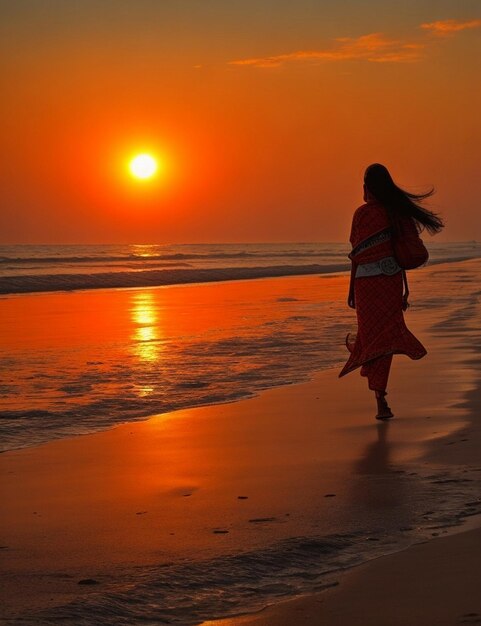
(354, 239)
(351, 302)
(406, 291)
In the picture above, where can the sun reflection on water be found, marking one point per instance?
(146, 335)
(144, 250)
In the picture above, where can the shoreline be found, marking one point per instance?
(101, 488)
(429, 584)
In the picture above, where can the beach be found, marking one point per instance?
(243, 501)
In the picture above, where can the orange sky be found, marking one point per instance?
(265, 112)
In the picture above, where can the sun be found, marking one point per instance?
(143, 166)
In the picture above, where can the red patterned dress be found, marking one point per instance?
(381, 330)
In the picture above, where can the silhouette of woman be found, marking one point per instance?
(378, 287)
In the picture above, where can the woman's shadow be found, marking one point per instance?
(377, 454)
(380, 487)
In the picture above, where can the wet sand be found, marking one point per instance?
(209, 481)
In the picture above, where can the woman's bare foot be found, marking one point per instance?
(383, 410)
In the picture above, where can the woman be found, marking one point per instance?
(378, 288)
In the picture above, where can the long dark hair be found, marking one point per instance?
(398, 202)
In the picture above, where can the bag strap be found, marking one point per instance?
(372, 240)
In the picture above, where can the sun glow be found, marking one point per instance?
(143, 166)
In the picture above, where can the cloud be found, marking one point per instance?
(374, 47)
(444, 28)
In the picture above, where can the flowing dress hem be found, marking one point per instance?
(350, 367)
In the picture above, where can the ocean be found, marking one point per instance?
(29, 268)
